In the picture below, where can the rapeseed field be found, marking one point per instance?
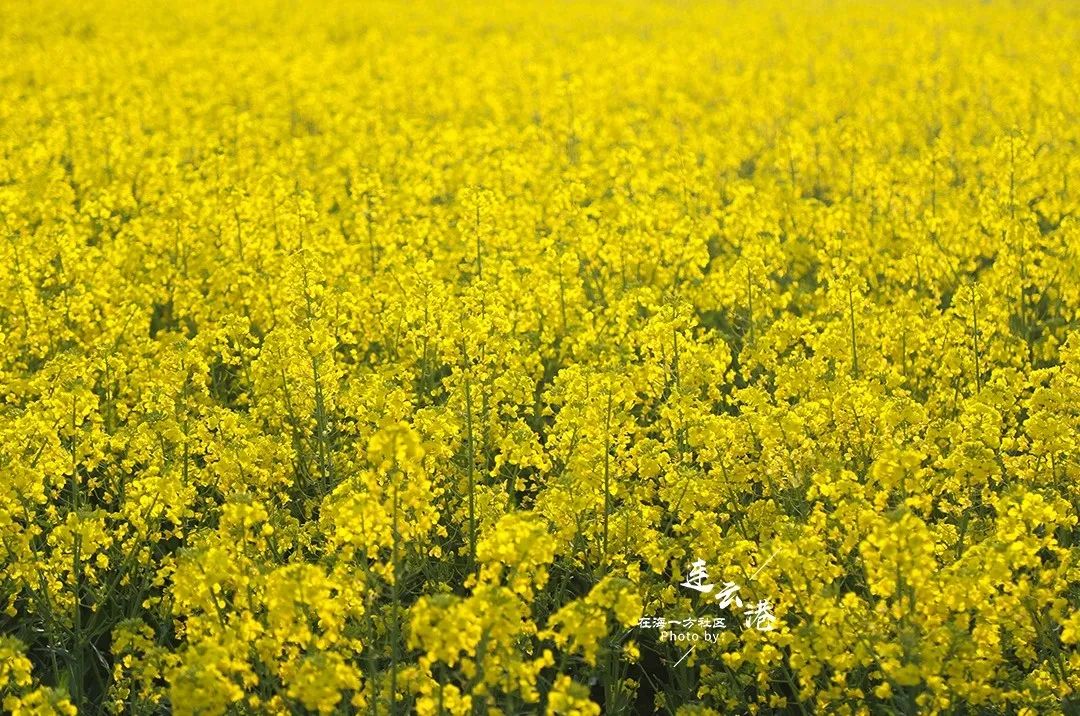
(539, 357)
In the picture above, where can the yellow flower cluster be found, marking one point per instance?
(396, 358)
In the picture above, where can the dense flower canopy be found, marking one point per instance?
(408, 358)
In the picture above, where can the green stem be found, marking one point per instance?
(975, 339)
(472, 480)
(854, 349)
(607, 473)
(395, 598)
